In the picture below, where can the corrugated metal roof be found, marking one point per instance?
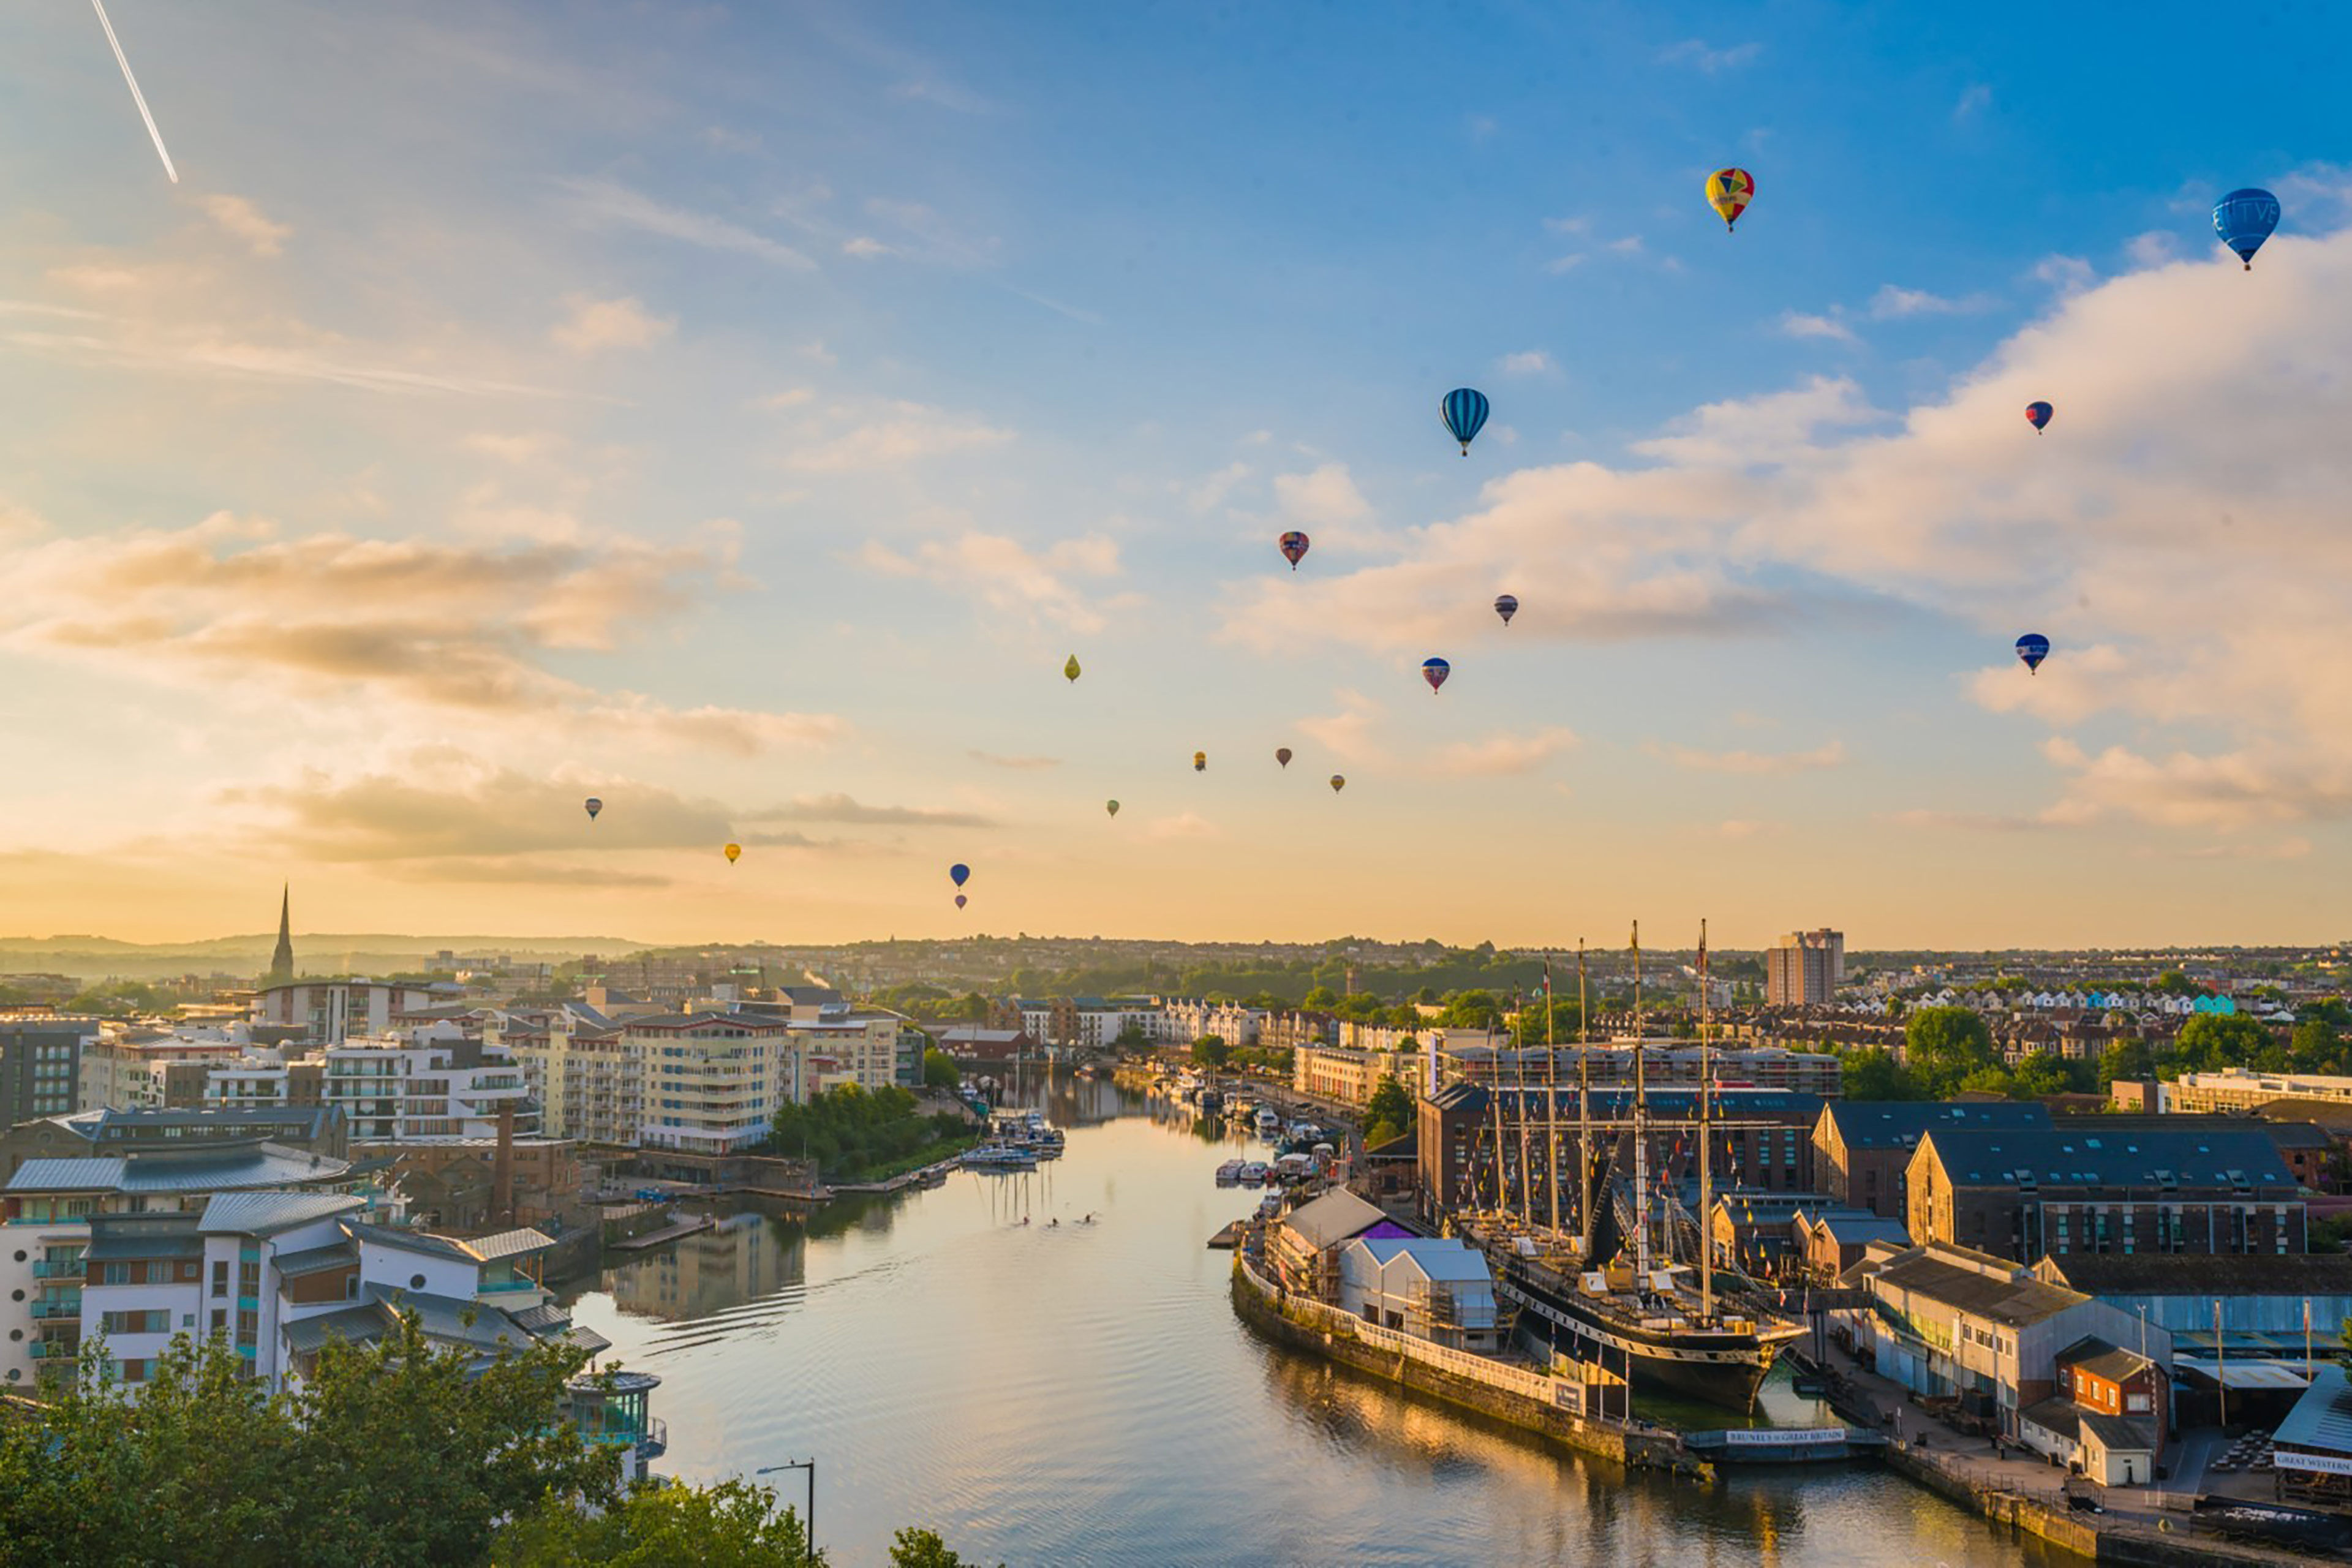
(1900, 1123)
(192, 1170)
(2049, 1158)
(316, 1259)
(360, 1325)
(264, 1213)
(1331, 1218)
(2014, 1301)
(2198, 1274)
(407, 1240)
(508, 1243)
(1438, 1258)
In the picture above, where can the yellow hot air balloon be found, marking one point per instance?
(1200, 762)
(1338, 783)
(734, 853)
(1728, 192)
(1071, 668)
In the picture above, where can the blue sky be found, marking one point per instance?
(740, 412)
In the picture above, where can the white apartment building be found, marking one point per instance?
(1184, 1020)
(47, 1211)
(427, 1089)
(330, 1012)
(126, 1068)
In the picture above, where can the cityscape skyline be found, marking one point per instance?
(746, 434)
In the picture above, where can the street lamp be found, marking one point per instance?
(808, 1533)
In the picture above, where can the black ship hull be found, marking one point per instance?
(1716, 1367)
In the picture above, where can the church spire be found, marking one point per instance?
(281, 962)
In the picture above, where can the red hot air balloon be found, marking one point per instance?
(1294, 545)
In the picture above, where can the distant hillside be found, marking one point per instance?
(94, 957)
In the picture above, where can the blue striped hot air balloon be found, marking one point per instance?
(2244, 219)
(2032, 647)
(1465, 411)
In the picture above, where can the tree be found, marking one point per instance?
(1321, 999)
(398, 1452)
(2173, 983)
(940, 1070)
(2214, 1040)
(1471, 1010)
(2126, 1061)
(2318, 1046)
(1210, 1051)
(1567, 1023)
(1942, 1046)
(2040, 1074)
(735, 1524)
(913, 1548)
(1875, 1075)
(1391, 1108)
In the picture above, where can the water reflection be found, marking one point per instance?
(1083, 1394)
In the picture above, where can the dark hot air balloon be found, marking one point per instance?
(1111, 807)
(1435, 672)
(1281, 755)
(2244, 219)
(1294, 545)
(1338, 783)
(959, 873)
(1507, 605)
(2037, 414)
(960, 900)
(594, 806)
(1465, 412)
(2032, 647)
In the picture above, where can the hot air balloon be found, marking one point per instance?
(959, 873)
(1281, 755)
(1507, 605)
(1071, 668)
(594, 806)
(1294, 545)
(1200, 762)
(2037, 414)
(734, 853)
(2032, 647)
(1728, 192)
(1111, 807)
(1338, 783)
(1465, 412)
(1435, 672)
(960, 900)
(2244, 219)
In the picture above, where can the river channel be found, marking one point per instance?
(1080, 1394)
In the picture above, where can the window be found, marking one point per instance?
(117, 1274)
(248, 1279)
(220, 1276)
(134, 1371)
(220, 1319)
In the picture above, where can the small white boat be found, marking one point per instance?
(1229, 1172)
(997, 1157)
(1254, 1173)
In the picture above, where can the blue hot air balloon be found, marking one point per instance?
(1435, 672)
(959, 873)
(1466, 415)
(2244, 219)
(594, 806)
(2032, 647)
(2037, 414)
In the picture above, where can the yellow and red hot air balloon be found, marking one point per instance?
(1728, 192)
(1338, 783)
(1200, 762)
(734, 853)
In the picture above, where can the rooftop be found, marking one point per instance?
(1436, 1258)
(1331, 1218)
(192, 1170)
(2321, 1421)
(1956, 1279)
(2026, 1157)
(2187, 1274)
(2100, 1359)
(265, 1213)
(1900, 1124)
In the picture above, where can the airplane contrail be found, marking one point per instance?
(136, 96)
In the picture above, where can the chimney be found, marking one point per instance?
(502, 1200)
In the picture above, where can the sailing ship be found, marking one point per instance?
(1573, 1290)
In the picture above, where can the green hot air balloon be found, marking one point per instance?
(1111, 807)
(1071, 668)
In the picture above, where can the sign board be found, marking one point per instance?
(1782, 1436)
(2287, 1458)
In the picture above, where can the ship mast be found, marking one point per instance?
(1583, 1112)
(1641, 1127)
(1551, 1107)
(1706, 1093)
(1519, 1073)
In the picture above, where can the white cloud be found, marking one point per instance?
(1327, 497)
(791, 397)
(1510, 752)
(1756, 763)
(2068, 275)
(1974, 100)
(1346, 734)
(621, 323)
(1894, 303)
(902, 433)
(517, 449)
(2154, 248)
(2183, 548)
(1009, 577)
(1185, 825)
(1699, 53)
(241, 219)
(865, 246)
(600, 202)
(1798, 324)
(1559, 264)
(1530, 362)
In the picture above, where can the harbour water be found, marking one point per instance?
(1079, 1394)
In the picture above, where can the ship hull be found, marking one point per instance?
(1718, 1368)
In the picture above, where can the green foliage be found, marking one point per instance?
(2330, 1232)
(735, 1524)
(848, 1131)
(940, 1070)
(1875, 1075)
(1321, 999)
(1210, 1051)
(2211, 1041)
(2173, 983)
(2044, 1073)
(1471, 1010)
(124, 998)
(2318, 1046)
(912, 1548)
(1275, 1061)
(392, 1454)
(1390, 1106)
(1567, 1021)
(1942, 1046)
(2127, 1060)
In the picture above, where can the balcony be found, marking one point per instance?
(51, 1310)
(67, 1269)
